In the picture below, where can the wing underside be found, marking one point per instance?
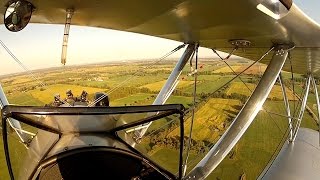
(210, 23)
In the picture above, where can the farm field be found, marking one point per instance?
(158, 85)
(212, 119)
(207, 86)
(227, 69)
(276, 92)
(253, 151)
(46, 95)
(137, 83)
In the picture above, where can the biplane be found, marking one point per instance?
(96, 141)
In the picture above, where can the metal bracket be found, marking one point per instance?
(240, 43)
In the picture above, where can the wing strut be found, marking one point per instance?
(303, 106)
(244, 118)
(66, 36)
(171, 82)
(13, 123)
(318, 102)
(287, 105)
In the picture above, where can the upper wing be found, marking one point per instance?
(211, 23)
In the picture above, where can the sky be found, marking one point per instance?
(38, 46)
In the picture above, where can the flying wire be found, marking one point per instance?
(133, 75)
(32, 75)
(210, 145)
(292, 81)
(255, 62)
(228, 82)
(245, 84)
(224, 60)
(268, 112)
(193, 110)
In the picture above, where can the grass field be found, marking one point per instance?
(207, 86)
(169, 158)
(24, 99)
(16, 151)
(3, 165)
(186, 101)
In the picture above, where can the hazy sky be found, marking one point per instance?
(40, 46)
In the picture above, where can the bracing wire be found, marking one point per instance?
(230, 66)
(31, 75)
(292, 81)
(133, 75)
(193, 109)
(255, 62)
(245, 84)
(235, 77)
(269, 113)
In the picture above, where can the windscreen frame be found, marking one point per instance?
(11, 111)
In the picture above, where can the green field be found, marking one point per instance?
(253, 151)
(24, 99)
(227, 69)
(3, 165)
(136, 99)
(158, 85)
(147, 99)
(243, 89)
(126, 80)
(207, 86)
(17, 151)
(212, 116)
(211, 119)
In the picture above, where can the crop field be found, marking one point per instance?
(254, 70)
(276, 92)
(134, 84)
(253, 151)
(136, 99)
(147, 99)
(186, 101)
(158, 85)
(208, 86)
(211, 119)
(47, 94)
(258, 144)
(227, 69)
(24, 99)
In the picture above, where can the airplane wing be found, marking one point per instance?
(211, 23)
